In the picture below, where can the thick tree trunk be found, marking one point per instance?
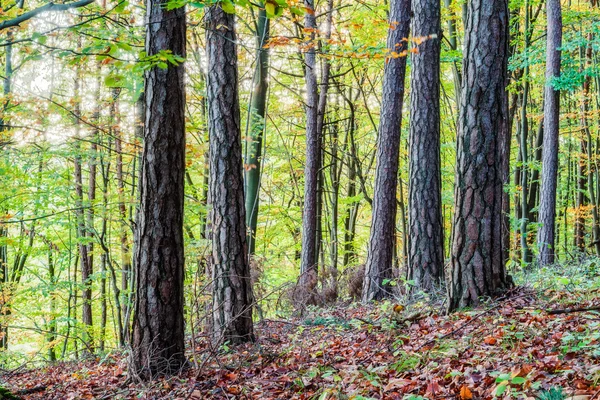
(231, 285)
(158, 323)
(426, 250)
(478, 236)
(380, 252)
(547, 213)
(257, 111)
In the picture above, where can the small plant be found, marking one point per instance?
(555, 393)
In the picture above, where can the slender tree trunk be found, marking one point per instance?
(426, 250)
(534, 190)
(86, 271)
(547, 213)
(525, 252)
(51, 336)
(158, 323)
(380, 253)
(258, 106)
(232, 299)
(479, 239)
(315, 113)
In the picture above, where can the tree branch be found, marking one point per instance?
(50, 7)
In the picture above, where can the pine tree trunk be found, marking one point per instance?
(478, 236)
(158, 323)
(232, 289)
(426, 250)
(380, 253)
(547, 213)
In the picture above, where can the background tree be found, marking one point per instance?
(547, 214)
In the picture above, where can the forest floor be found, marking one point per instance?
(516, 347)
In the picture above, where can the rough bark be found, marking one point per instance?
(479, 240)
(158, 323)
(381, 246)
(426, 250)
(547, 213)
(232, 299)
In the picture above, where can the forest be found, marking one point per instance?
(300, 199)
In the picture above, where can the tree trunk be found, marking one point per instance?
(232, 298)
(257, 124)
(86, 270)
(426, 250)
(158, 323)
(478, 236)
(547, 213)
(380, 252)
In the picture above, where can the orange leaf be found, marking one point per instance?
(465, 393)
(490, 340)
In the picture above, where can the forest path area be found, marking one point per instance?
(518, 347)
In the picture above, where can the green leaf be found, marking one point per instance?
(518, 380)
(228, 6)
(500, 389)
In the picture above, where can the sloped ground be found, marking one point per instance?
(512, 348)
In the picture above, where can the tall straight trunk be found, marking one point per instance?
(547, 213)
(123, 225)
(4, 270)
(479, 240)
(380, 253)
(308, 271)
(51, 335)
(426, 250)
(315, 113)
(525, 252)
(256, 128)
(158, 322)
(590, 168)
(534, 189)
(352, 208)
(232, 298)
(581, 200)
(86, 270)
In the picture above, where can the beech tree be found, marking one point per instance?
(478, 254)
(256, 128)
(232, 298)
(547, 214)
(158, 322)
(380, 252)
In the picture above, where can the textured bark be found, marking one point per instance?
(232, 298)
(381, 246)
(547, 213)
(479, 239)
(256, 129)
(308, 258)
(158, 323)
(426, 250)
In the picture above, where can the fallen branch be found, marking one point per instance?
(572, 310)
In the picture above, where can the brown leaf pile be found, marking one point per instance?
(511, 349)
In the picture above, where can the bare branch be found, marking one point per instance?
(50, 7)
